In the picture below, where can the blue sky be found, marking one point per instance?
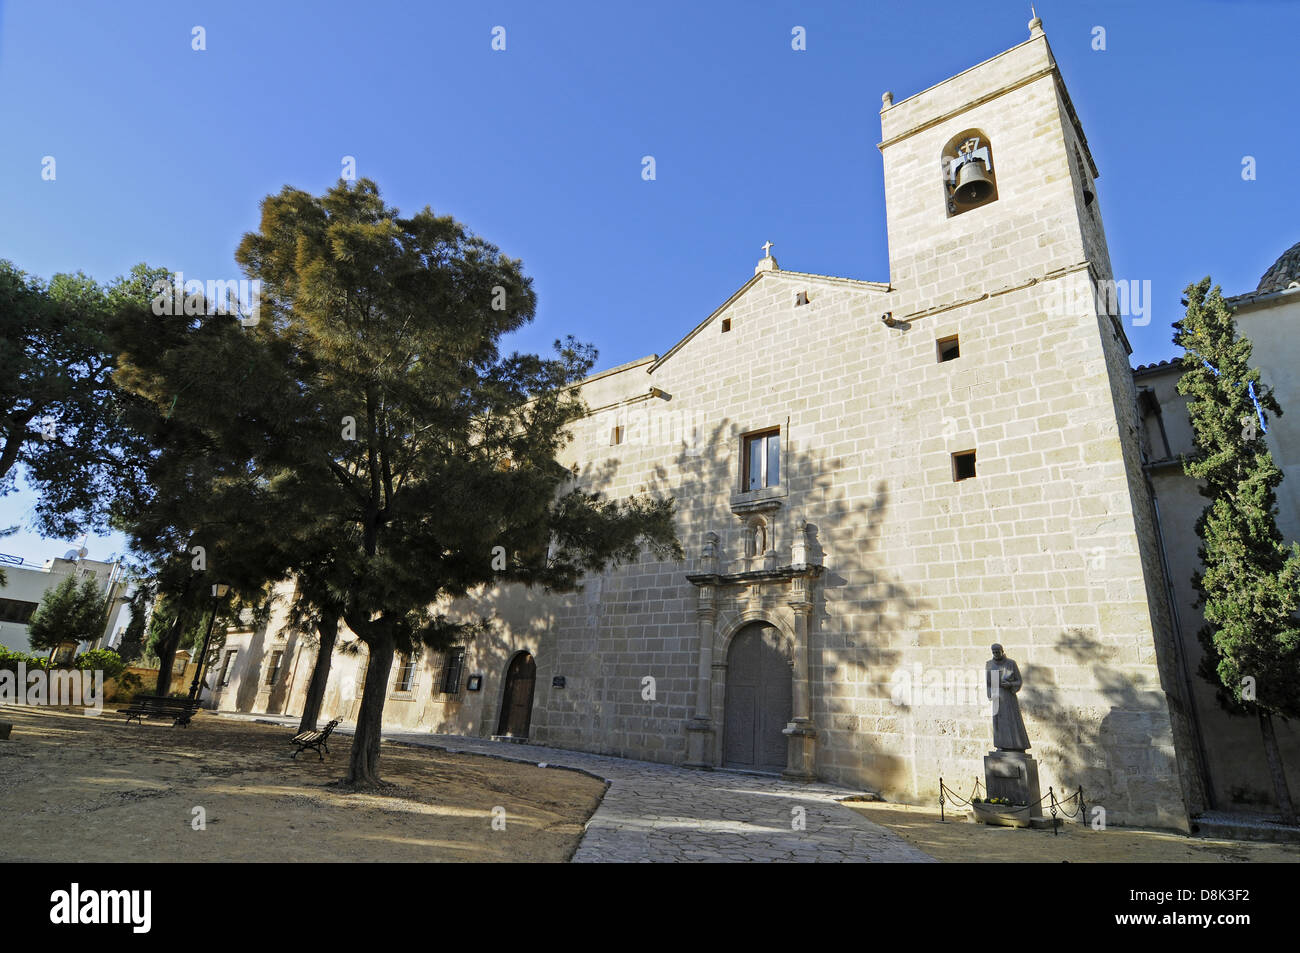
(163, 152)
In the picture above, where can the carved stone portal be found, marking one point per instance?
(782, 597)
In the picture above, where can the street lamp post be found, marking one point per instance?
(218, 592)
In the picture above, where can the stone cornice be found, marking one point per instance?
(855, 283)
(996, 292)
(964, 107)
(780, 574)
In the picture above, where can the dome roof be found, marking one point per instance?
(1284, 271)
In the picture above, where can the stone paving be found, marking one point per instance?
(664, 814)
(659, 813)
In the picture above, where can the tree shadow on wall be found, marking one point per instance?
(250, 678)
(861, 611)
(1120, 763)
(597, 636)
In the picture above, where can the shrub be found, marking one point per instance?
(101, 659)
(128, 683)
(9, 661)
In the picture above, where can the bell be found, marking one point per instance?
(973, 184)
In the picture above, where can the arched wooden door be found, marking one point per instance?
(517, 701)
(758, 700)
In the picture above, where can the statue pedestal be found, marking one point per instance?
(1014, 776)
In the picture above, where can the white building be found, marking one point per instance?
(25, 586)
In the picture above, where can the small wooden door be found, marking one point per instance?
(758, 702)
(517, 702)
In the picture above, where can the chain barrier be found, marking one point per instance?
(1055, 804)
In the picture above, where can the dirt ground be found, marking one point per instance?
(77, 788)
(962, 841)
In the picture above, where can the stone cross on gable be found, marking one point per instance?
(767, 248)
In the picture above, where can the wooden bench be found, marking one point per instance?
(180, 710)
(315, 740)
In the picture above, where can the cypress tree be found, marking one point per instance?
(1249, 588)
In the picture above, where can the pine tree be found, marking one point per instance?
(199, 397)
(411, 450)
(60, 424)
(1250, 586)
(134, 639)
(367, 437)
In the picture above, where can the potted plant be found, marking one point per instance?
(1001, 812)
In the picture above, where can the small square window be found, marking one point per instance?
(949, 349)
(726, 325)
(616, 436)
(801, 298)
(963, 465)
(762, 460)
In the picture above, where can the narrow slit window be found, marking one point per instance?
(963, 465)
(616, 436)
(949, 348)
(726, 325)
(801, 298)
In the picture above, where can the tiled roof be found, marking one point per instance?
(1149, 368)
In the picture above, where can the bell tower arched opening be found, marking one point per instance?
(969, 180)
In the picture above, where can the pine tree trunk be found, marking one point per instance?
(167, 655)
(1275, 768)
(363, 769)
(328, 629)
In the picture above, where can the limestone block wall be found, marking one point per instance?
(1031, 229)
(920, 570)
(1082, 405)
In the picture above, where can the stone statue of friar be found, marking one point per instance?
(1002, 681)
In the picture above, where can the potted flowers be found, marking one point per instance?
(1000, 811)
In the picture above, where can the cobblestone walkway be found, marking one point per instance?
(661, 813)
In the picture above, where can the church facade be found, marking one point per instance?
(875, 482)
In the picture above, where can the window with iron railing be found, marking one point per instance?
(405, 672)
(455, 668)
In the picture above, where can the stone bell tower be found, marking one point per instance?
(996, 254)
(1012, 118)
